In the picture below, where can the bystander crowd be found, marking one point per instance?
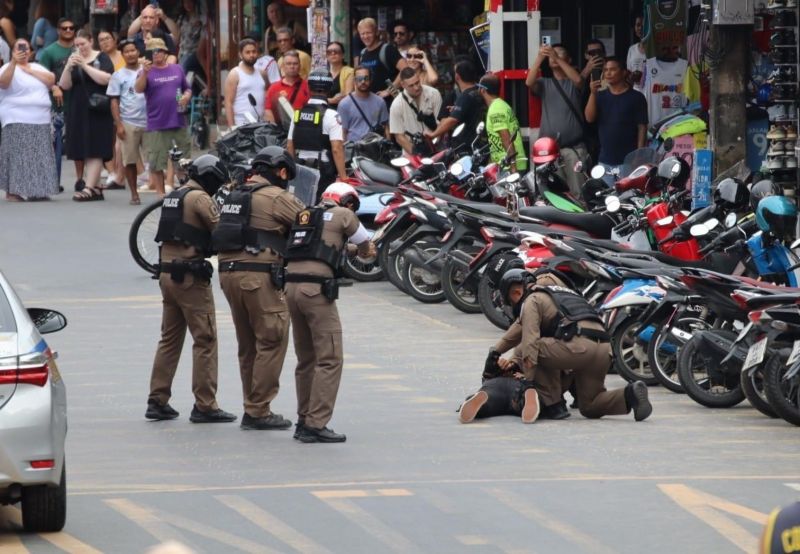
(414, 111)
(244, 81)
(342, 73)
(291, 87)
(381, 58)
(403, 37)
(362, 111)
(45, 27)
(502, 127)
(286, 44)
(418, 61)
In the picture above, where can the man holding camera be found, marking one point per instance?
(363, 111)
(413, 111)
(562, 118)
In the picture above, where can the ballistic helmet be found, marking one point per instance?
(514, 277)
(320, 82)
(342, 194)
(209, 172)
(274, 157)
(732, 194)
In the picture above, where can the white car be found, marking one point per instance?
(33, 414)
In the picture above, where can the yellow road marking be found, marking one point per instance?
(569, 533)
(271, 524)
(391, 539)
(382, 377)
(707, 508)
(155, 522)
(104, 489)
(394, 492)
(472, 540)
(69, 543)
(428, 400)
(349, 365)
(360, 493)
(12, 544)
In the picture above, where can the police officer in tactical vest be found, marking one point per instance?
(251, 239)
(556, 332)
(188, 216)
(316, 135)
(315, 252)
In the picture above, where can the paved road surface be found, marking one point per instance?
(409, 478)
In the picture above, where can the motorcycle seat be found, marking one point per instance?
(376, 188)
(378, 173)
(639, 259)
(596, 225)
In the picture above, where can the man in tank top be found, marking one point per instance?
(242, 80)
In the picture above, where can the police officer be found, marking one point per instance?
(251, 238)
(316, 135)
(315, 251)
(188, 216)
(557, 331)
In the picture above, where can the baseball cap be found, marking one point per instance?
(783, 528)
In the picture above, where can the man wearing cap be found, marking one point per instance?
(167, 94)
(316, 135)
(502, 126)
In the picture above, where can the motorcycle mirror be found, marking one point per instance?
(400, 162)
(730, 220)
(712, 223)
(426, 161)
(699, 230)
(251, 99)
(513, 178)
(612, 203)
(578, 167)
(669, 144)
(664, 221)
(675, 169)
(457, 131)
(479, 129)
(598, 172)
(456, 169)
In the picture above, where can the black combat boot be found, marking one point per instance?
(271, 422)
(636, 396)
(213, 416)
(310, 434)
(555, 411)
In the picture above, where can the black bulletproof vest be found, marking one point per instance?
(571, 306)
(305, 239)
(308, 133)
(234, 232)
(171, 227)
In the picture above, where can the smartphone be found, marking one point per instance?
(546, 40)
(22, 47)
(148, 55)
(597, 73)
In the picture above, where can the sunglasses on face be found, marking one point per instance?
(361, 79)
(67, 28)
(416, 56)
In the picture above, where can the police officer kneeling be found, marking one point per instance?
(188, 216)
(251, 238)
(315, 253)
(316, 135)
(556, 331)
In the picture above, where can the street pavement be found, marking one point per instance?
(410, 478)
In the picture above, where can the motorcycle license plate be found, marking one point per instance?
(756, 354)
(795, 355)
(743, 332)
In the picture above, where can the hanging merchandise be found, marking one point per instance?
(663, 87)
(665, 27)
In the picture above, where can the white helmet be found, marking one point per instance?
(341, 194)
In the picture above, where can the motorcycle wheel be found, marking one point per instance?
(630, 355)
(783, 395)
(753, 389)
(465, 298)
(420, 282)
(693, 366)
(392, 266)
(491, 305)
(142, 236)
(363, 269)
(665, 365)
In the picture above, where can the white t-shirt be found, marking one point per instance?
(635, 62)
(253, 84)
(663, 87)
(26, 100)
(331, 126)
(267, 63)
(132, 104)
(5, 51)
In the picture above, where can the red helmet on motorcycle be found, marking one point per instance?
(545, 150)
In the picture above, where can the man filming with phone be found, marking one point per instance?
(560, 89)
(502, 127)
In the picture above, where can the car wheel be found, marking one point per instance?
(44, 508)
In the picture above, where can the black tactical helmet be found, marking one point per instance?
(274, 157)
(732, 194)
(320, 82)
(209, 172)
(762, 189)
(514, 277)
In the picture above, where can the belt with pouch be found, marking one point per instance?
(330, 285)
(177, 269)
(593, 334)
(275, 270)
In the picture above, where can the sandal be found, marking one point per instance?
(88, 195)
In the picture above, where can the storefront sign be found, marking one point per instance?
(756, 147)
(480, 36)
(701, 177)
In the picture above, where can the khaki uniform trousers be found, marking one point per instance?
(317, 335)
(589, 362)
(188, 304)
(262, 331)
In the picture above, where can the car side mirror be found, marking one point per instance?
(598, 172)
(730, 220)
(47, 321)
